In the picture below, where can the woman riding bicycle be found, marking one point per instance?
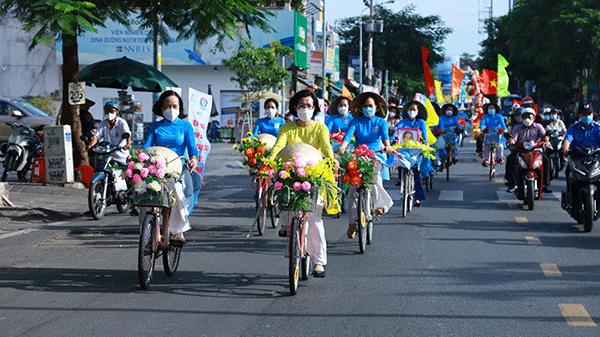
(370, 128)
(272, 123)
(449, 123)
(177, 134)
(303, 106)
(340, 119)
(492, 121)
(414, 117)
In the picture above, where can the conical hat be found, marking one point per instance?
(174, 164)
(308, 153)
(268, 140)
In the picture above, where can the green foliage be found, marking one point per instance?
(397, 49)
(258, 69)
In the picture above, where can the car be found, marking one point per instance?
(18, 110)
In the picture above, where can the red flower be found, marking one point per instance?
(370, 153)
(355, 180)
(361, 150)
(345, 178)
(352, 165)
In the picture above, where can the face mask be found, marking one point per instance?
(553, 117)
(305, 114)
(368, 111)
(171, 114)
(449, 113)
(392, 114)
(587, 119)
(271, 113)
(343, 111)
(412, 114)
(491, 111)
(527, 122)
(111, 116)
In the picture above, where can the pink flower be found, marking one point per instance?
(160, 173)
(152, 169)
(310, 163)
(143, 156)
(130, 165)
(144, 172)
(282, 174)
(298, 163)
(288, 166)
(136, 179)
(306, 186)
(129, 173)
(297, 186)
(161, 163)
(278, 185)
(271, 173)
(301, 172)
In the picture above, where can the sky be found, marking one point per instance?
(460, 15)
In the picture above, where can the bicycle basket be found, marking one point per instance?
(164, 198)
(287, 201)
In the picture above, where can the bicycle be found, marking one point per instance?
(450, 140)
(266, 207)
(492, 140)
(153, 234)
(364, 209)
(407, 162)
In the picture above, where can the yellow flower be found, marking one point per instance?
(249, 133)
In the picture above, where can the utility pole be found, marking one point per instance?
(370, 56)
(360, 54)
(324, 53)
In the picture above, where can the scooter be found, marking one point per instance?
(530, 173)
(584, 183)
(107, 186)
(554, 152)
(22, 147)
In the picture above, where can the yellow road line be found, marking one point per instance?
(532, 240)
(576, 315)
(499, 181)
(550, 269)
(521, 220)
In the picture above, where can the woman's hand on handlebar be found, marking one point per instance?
(192, 163)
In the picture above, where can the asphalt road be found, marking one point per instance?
(471, 262)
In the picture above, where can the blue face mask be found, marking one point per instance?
(587, 119)
(368, 111)
(491, 111)
(553, 117)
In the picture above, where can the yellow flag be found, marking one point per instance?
(438, 92)
(432, 120)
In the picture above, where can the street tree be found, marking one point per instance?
(397, 49)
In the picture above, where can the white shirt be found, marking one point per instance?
(559, 126)
(114, 136)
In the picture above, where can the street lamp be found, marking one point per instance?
(371, 28)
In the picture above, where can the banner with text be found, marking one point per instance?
(200, 105)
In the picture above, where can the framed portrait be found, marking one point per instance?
(405, 134)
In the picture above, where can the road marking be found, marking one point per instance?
(521, 220)
(550, 269)
(451, 195)
(576, 315)
(557, 195)
(224, 193)
(499, 181)
(533, 241)
(15, 233)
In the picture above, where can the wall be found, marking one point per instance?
(24, 72)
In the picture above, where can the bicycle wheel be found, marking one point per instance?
(448, 163)
(147, 249)
(294, 255)
(370, 220)
(404, 192)
(431, 182)
(362, 222)
(411, 192)
(261, 210)
(171, 258)
(492, 163)
(305, 267)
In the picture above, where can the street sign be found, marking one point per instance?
(76, 93)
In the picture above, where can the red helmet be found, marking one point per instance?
(528, 100)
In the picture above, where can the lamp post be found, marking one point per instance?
(370, 30)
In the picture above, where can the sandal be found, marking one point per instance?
(178, 240)
(351, 231)
(283, 232)
(378, 213)
(319, 272)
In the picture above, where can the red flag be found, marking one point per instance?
(488, 81)
(457, 78)
(429, 85)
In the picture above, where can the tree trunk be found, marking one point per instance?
(70, 113)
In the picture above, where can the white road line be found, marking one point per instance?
(550, 269)
(576, 315)
(451, 195)
(533, 241)
(15, 233)
(224, 193)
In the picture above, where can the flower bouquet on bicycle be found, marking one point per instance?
(254, 150)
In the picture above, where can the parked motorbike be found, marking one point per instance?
(530, 173)
(554, 152)
(584, 184)
(23, 146)
(108, 186)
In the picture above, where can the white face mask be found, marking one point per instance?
(305, 114)
(449, 113)
(171, 114)
(271, 113)
(412, 113)
(111, 116)
(527, 122)
(343, 111)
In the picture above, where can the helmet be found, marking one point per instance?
(515, 106)
(528, 100)
(547, 111)
(587, 108)
(111, 105)
(528, 111)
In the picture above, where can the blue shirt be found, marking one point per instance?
(464, 116)
(581, 137)
(339, 123)
(177, 135)
(414, 124)
(267, 125)
(492, 122)
(369, 131)
(449, 123)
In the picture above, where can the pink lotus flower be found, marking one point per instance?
(297, 186)
(144, 172)
(130, 165)
(306, 186)
(278, 185)
(129, 173)
(301, 172)
(160, 173)
(136, 179)
(143, 156)
(152, 170)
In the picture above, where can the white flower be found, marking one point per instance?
(154, 186)
(139, 166)
(141, 187)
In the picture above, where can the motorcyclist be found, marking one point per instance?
(511, 159)
(554, 123)
(492, 121)
(529, 131)
(112, 130)
(583, 134)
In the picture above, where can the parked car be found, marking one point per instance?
(17, 110)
